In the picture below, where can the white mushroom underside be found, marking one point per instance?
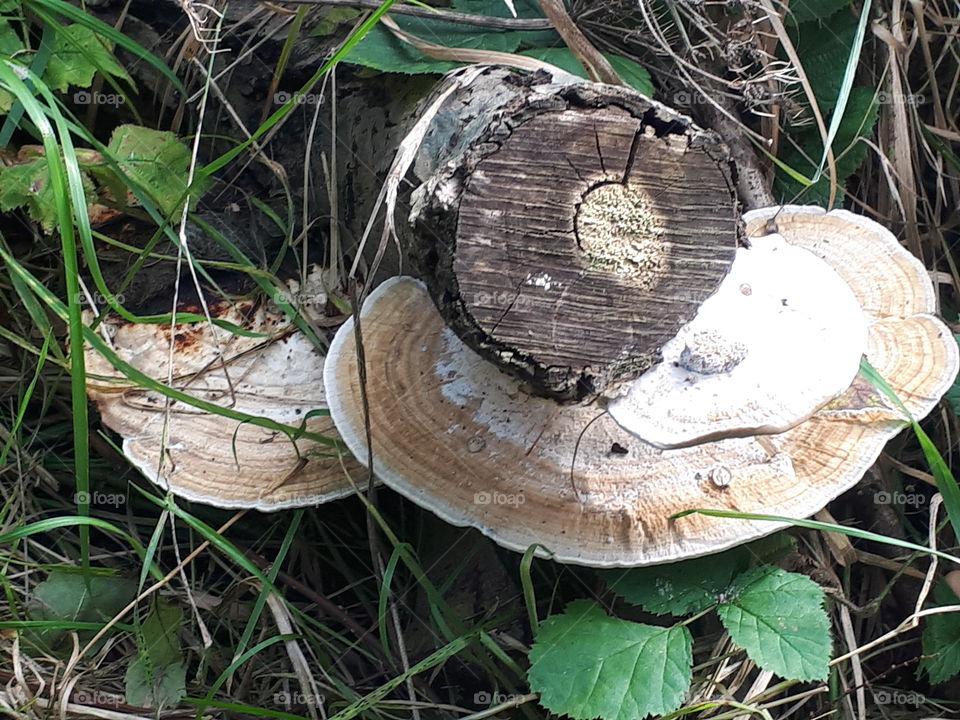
(457, 436)
(782, 336)
(223, 462)
(274, 372)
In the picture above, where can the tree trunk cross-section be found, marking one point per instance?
(567, 231)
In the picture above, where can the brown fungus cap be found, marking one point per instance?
(212, 459)
(458, 436)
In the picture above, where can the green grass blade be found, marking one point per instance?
(384, 597)
(282, 111)
(794, 174)
(108, 32)
(265, 282)
(64, 175)
(249, 710)
(845, 85)
(826, 527)
(37, 65)
(526, 582)
(59, 625)
(44, 526)
(272, 573)
(216, 540)
(207, 700)
(25, 400)
(149, 383)
(38, 317)
(946, 483)
(433, 660)
(498, 652)
(151, 550)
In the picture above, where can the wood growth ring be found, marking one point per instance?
(574, 233)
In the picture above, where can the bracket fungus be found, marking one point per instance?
(782, 335)
(271, 371)
(462, 436)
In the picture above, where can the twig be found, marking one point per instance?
(162, 582)
(597, 66)
(913, 620)
(777, 22)
(502, 23)
(324, 604)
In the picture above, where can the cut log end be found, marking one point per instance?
(575, 234)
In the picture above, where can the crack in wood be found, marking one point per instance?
(631, 157)
(598, 308)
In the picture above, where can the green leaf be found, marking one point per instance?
(631, 72)
(824, 49)
(159, 633)
(778, 618)
(678, 588)
(49, 10)
(946, 482)
(158, 677)
(586, 664)
(10, 40)
(801, 11)
(562, 57)
(76, 597)
(10, 45)
(156, 161)
(78, 54)
(691, 586)
(28, 185)
(846, 82)
(941, 639)
(162, 687)
(381, 50)
(858, 122)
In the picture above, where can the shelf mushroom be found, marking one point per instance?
(271, 371)
(783, 335)
(756, 404)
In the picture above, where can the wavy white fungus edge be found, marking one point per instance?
(782, 336)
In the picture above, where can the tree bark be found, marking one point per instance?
(567, 231)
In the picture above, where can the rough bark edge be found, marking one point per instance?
(452, 150)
